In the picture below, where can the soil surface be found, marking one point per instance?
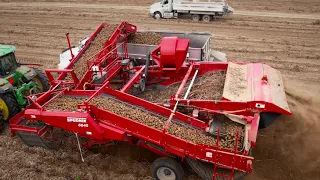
(283, 34)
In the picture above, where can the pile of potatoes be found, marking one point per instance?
(149, 38)
(180, 130)
(96, 45)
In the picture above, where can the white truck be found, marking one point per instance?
(205, 11)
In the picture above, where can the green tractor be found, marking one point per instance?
(17, 81)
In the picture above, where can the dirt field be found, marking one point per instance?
(284, 34)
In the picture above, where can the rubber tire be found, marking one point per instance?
(142, 84)
(43, 79)
(157, 15)
(195, 17)
(169, 163)
(11, 103)
(206, 18)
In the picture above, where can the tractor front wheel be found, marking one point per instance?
(9, 106)
(41, 80)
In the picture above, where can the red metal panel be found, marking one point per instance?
(81, 123)
(253, 132)
(168, 47)
(229, 159)
(112, 133)
(181, 52)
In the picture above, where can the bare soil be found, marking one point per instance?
(283, 34)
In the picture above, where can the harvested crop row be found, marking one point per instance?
(150, 38)
(123, 109)
(64, 103)
(190, 134)
(96, 45)
(206, 87)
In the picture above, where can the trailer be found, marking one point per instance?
(205, 11)
(214, 136)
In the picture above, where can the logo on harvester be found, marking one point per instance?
(76, 120)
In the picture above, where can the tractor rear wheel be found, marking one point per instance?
(41, 80)
(166, 169)
(9, 106)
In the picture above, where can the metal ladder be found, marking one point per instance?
(232, 168)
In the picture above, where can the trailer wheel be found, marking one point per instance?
(157, 15)
(206, 18)
(195, 17)
(165, 168)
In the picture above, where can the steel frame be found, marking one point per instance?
(101, 125)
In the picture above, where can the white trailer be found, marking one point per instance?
(205, 11)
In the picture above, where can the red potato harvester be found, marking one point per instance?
(215, 137)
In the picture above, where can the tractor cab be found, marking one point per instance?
(8, 64)
(17, 82)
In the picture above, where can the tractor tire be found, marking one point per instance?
(9, 106)
(165, 168)
(42, 79)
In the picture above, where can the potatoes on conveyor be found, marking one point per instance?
(96, 45)
(149, 38)
(150, 119)
(206, 87)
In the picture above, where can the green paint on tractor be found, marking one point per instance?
(17, 81)
(6, 49)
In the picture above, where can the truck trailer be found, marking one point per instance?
(205, 11)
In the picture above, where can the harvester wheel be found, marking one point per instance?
(8, 106)
(165, 168)
(195, 17)
(41, 80)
